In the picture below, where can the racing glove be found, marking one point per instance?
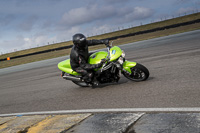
(106, 42)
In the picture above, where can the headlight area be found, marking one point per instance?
(119, 63)
(123, 54)
(120, 60)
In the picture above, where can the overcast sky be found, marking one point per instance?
(31, 23)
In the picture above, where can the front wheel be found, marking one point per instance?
(138, 73)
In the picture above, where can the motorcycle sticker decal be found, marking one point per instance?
(114, 51)
(93, 56)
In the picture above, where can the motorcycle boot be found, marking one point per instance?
(88, 77)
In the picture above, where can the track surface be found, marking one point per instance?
(173, 62)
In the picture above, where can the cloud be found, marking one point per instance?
(38, 39)
(28, 23)
(31, 23)
(127, 15)
(186, 10)
(197, 2)
(35, 41)
(188, 2)
(99, 30)
(181, 1)
(22, 42)
(86, 14)
(139, 13)
(6, 20)
(106, 19)
(115, 1)
(11, 44)
(67, 34)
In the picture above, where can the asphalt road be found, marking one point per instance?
(173, 62)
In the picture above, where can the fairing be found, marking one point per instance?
(127, 65)
(66, 67)
(115, 53)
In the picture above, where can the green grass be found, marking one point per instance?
(119, 41)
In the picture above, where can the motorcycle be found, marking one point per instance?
(111, 70)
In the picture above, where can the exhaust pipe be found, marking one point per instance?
(68, 77)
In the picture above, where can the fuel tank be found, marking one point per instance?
(95, 58)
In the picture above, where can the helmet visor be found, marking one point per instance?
(82, 43)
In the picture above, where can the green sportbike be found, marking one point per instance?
(111, 70)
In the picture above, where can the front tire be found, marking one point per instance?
(138, 73)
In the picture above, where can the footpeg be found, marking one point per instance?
(95, 83)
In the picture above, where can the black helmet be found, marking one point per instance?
(79, 41)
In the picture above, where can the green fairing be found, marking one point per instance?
(127, 65)
(95, 58)
(66, 67)
(115, 53)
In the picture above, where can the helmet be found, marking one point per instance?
(79, 41)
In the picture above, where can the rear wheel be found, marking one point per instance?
(138, 73)
(81, 83)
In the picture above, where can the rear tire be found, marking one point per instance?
(81, 83)
(138, 73)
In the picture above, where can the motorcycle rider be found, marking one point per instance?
(79, 56)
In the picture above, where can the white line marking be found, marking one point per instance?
(119, 110)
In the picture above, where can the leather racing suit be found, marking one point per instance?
(79, 59)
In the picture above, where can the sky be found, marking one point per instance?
(27, 24)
